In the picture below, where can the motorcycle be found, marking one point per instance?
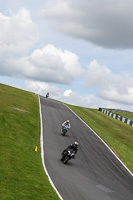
(64, 130)
(47, 95)
(67, 155)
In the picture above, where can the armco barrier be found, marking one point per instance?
(116, 116)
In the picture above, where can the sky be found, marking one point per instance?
(81, 52)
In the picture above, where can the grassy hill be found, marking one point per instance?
(21, 171)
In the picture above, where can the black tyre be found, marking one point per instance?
(66, 159)
(63, 133)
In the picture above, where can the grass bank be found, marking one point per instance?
(21, 171)
(118, 135)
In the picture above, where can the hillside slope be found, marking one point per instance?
(21, 171)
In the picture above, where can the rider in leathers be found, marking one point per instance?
(66, 124)
(74, 147)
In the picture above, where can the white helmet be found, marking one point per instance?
(76, 143)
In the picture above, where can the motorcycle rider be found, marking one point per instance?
(74, 147)
(66, 124)
(47, 95)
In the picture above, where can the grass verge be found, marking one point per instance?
(118, 135)
(21, 171)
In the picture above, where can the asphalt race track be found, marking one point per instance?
(95, 173)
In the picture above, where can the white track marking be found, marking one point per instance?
(42, 153)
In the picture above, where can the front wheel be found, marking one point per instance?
(66, 159)
(64, 132)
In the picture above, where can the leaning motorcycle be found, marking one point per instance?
(47, 95)
(64, 130)
(67, 155)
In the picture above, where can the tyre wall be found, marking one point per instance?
(117, 116)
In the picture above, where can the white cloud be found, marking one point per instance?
(42, 88)
(113, 87)
(48, 64)
(97, 75)
(105, 23)
(67, 96)
(67, 93)
(90, 101)
(108, 25)
(17, 34)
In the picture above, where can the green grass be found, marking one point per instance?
(21, 171)
(118, 135)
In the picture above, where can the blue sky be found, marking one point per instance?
(81, 52)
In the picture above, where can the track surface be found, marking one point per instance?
(95, 174)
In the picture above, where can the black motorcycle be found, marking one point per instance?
(47, 95)
(67, 155)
